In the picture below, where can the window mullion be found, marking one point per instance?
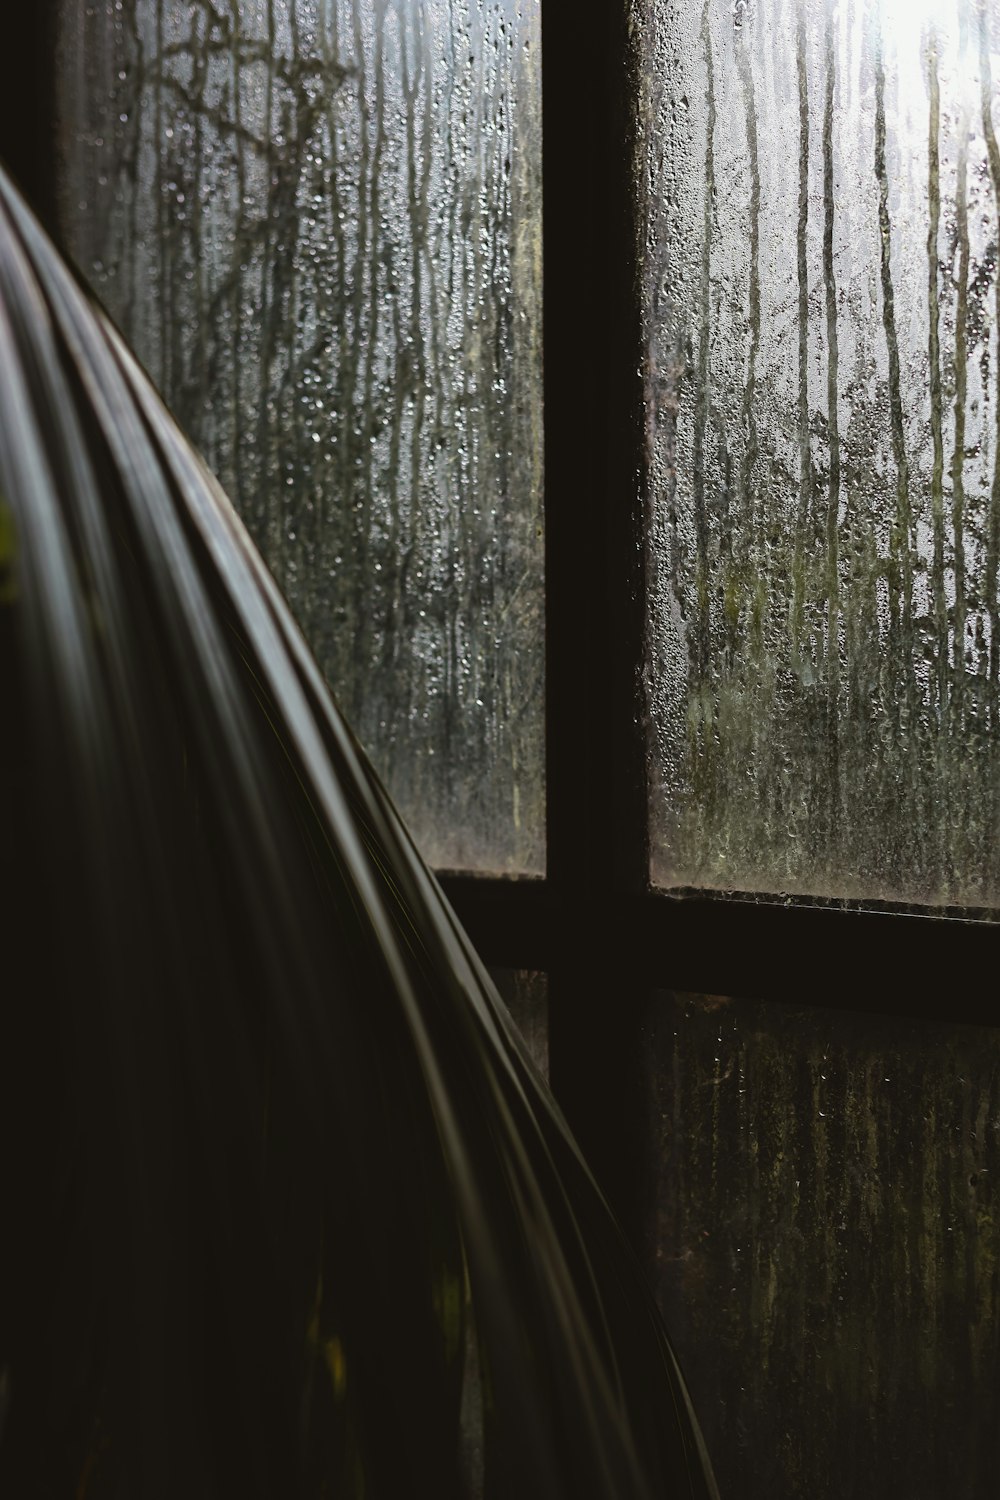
(594, 572)
(27, 104)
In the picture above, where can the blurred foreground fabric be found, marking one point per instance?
(287, 1209)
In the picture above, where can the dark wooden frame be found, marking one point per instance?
(601, 933)
(593, 924)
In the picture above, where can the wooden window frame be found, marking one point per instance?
(604, 937)
(593, 923)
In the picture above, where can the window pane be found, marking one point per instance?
(318, 221)
(525, 993)
(824, 1235)
(820, 296)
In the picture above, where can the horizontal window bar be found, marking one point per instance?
(888, 961)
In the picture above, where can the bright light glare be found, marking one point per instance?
(951, 27)
(901, 18)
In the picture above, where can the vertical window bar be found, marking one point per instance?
(27, 104)
(594, 573)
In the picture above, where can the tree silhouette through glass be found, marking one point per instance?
(822, 311)
(318, 223)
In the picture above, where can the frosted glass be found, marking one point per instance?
(823, 1235)
(318, 222)
(819, 202)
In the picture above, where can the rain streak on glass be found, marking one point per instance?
(318, 222)
(823, 1237)
(820, 197)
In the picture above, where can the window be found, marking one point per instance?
(806, 1169)
(319, 227)
(819, 217)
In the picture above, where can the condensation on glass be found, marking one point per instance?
(525, 992)
(819, 186)
(823, 1235)
(318, 222)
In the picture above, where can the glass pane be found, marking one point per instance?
(525, 992)
(824, 1236)
(820, 299)
(318, 222)
(526, 995)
